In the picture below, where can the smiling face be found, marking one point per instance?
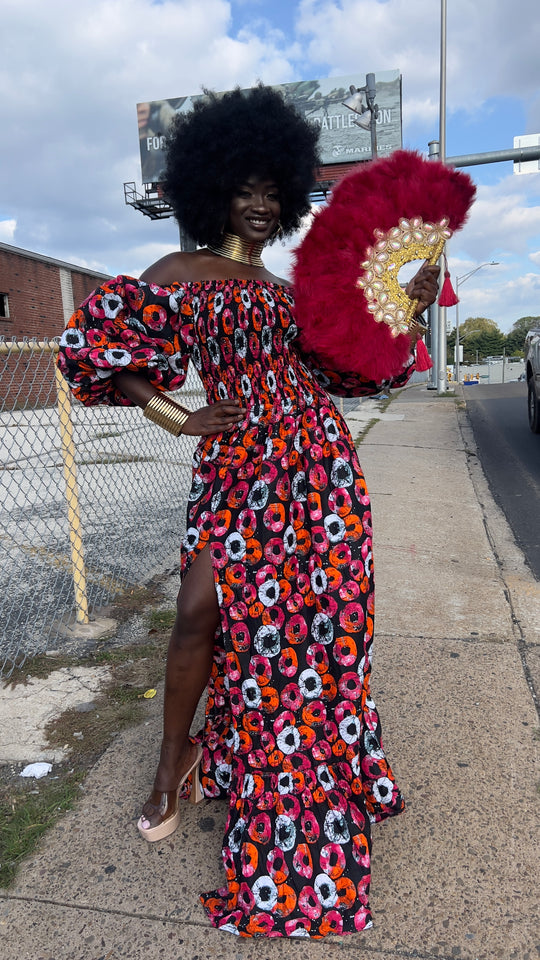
(255, 209)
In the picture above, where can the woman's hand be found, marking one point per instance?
(417, 330)
(219, 417)
(424, 287)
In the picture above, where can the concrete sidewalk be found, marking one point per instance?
(457, 648)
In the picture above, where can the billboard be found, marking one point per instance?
(341, 140)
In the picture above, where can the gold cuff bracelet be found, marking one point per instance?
(166, 414)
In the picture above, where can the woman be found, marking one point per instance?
(275, 610)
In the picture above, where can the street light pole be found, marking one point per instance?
(433, 149)
(442, 90)
(457, 370)
(466, 276)
(440, 360)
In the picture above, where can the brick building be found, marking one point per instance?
(37, 295)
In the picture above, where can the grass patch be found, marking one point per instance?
(121, 702)
(365, 430)
(162, 619)
(39, 667)
(385, 403)
(26, 816)
(28, 807)
(117, 655)
(135, 600)
(89, 734)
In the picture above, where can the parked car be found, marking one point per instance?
(532, 370)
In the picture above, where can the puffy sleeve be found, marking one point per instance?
(352, 384)
(127, 325)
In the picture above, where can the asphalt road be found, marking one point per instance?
(510, 456)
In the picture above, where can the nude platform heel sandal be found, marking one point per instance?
(169, 825)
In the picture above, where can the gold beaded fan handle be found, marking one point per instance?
(432, 260)
(410, 240)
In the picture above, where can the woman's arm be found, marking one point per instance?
(118, 349)
(135, 387)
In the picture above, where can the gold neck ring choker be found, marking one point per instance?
(235, 248)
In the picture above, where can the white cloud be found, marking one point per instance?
(497, 293)
(504, 225)
(504, 219)
(69, 89)
(362, 35)
(7, 230)
(70, 84)
(519, 297)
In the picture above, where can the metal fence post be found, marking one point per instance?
(72, 498)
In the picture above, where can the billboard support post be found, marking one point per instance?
(355, 103)
(187, 243)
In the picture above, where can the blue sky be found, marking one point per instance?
(279, 13)
(69, 89)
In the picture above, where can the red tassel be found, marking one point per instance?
(423, 359)
(447, 297)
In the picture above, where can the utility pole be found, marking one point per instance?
(440, 362)
(462, 279)
(433, 152)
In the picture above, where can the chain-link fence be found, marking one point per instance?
(92, 500)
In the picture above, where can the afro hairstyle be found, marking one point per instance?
(227, 138)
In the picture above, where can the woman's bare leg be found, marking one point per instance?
(189, 661)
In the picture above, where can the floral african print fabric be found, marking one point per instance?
(292, 736)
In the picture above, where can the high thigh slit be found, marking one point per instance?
(292, 737)
(191, 565)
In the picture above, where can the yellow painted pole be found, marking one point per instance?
(72, 497)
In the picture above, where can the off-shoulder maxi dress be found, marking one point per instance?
(292, 737)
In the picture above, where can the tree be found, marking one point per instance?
(480, 337)
(481, 324)
(515, 338)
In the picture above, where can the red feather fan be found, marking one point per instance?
(335, 320)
